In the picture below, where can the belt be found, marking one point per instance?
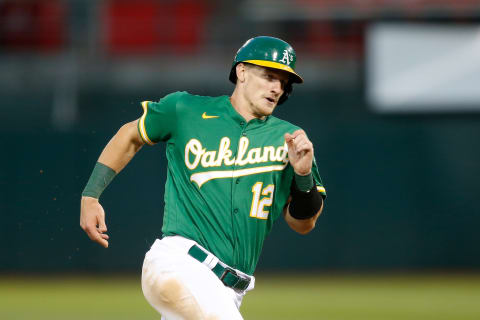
(227, 275)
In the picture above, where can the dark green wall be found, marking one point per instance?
(402, 190)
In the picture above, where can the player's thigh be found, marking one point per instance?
(179, 287)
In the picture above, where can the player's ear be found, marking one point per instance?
(240, 70)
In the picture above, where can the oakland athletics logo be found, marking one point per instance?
(287, 58)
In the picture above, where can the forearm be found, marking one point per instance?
(302, 226)
(305, 205)
(122, 147)
(115, 156)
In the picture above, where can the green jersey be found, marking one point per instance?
(228, 180)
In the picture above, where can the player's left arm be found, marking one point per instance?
(301, 226)
(306, 203)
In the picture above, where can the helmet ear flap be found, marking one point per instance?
(286, 93)
(233, 74)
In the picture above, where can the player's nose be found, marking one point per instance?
(276, 87)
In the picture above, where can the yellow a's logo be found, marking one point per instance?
(204, 116)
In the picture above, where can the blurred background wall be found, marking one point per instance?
(402, 182)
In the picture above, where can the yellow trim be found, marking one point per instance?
(275, 65)
(320, 189)
(143, 131)
(202, 177)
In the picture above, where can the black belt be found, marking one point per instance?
(227, 275)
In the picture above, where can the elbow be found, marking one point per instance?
(305, 228)
(307, 225)
(306, 208)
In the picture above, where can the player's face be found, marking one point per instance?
(263, 89)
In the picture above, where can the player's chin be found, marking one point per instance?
(268, 106)
(266, 112)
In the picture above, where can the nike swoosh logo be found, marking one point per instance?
(204, 116)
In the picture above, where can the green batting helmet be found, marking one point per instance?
(268, 52)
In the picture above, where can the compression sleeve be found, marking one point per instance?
(100, 178)
(304, 204)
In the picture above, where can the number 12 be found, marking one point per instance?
(258, 205)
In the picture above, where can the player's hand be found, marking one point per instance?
(300, 152)
(92, 220)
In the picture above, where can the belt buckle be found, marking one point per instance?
(224, 274)
(238, 280)
(226, 271)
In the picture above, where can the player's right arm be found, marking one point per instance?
(158, 123)
(114, 157)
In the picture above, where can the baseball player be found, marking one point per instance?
(233, 169)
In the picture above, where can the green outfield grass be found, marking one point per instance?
(423, 297)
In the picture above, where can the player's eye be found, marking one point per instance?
(271, 77)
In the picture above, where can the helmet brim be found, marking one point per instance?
(275, 65)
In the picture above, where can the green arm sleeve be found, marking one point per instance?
(100, 178)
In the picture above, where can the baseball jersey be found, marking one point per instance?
(228, 180)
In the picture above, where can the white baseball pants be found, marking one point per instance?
(182, 288)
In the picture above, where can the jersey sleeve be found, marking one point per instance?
(318, 180)
(158, 122)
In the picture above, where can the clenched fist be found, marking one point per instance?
(300, 152)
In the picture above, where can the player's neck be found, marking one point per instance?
(242, 106)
